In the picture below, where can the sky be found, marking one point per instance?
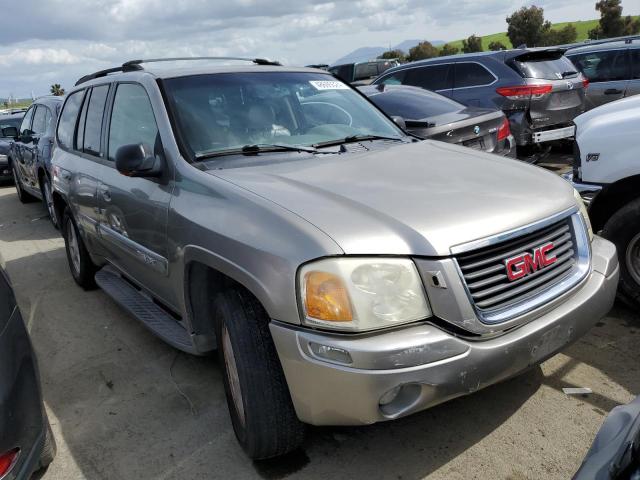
(58, 41)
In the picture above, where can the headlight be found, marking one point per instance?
(3, 158)
(359, 294)
(584, 213)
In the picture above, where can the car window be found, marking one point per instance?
(433, 77)
(635, 63)
(10, 122)
(68, 119)
(25, 126)
(607, 66)
(469, 74)
(93, 120)
(39, 125)
(414, 104)
(343, 72)
(49, 121)
(365, 70)
(132, 119)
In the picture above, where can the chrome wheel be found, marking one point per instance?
(48, 198)
(232, 374)
(632, 258)
(74, 250)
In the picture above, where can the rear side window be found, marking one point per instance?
(607, 66)
(132, 119)
(93, 120)
(68, 119)
(546, 68)
(39, 125)
(25, 126)
(434, 77)
(472, 75)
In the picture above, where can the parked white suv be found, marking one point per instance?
(607, 174)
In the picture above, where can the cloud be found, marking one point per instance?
(64, 39)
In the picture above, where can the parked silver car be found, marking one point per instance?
(346, 273)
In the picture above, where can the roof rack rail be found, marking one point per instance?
(134, 65)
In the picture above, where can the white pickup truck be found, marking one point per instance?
(606, 172)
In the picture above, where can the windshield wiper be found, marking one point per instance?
(569, 73)
(258, 148)
(356, 138)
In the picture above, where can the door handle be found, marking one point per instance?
(612, 91)
(105, 193)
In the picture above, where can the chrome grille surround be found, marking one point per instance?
(574, 263)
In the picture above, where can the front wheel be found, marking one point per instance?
(623, 229)
(23, 196)
(82, 268)
(262, 414)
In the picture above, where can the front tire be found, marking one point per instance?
(262, 414)
(82, 268)
(23, 196)
(623, 229)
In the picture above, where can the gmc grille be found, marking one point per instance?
(484, 270)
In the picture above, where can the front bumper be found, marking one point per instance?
(417, 367)
(587, 191)
(5, 168)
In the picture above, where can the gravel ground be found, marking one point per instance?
(124, 405)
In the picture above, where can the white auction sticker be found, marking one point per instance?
(328, 85)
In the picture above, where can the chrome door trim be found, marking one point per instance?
(142, 254)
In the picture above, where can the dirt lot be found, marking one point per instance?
(124, 405)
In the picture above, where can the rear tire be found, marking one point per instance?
(47, 199)
(262, 414)
(49, 448)
(23, 196)
(623, 229)
(82, 269)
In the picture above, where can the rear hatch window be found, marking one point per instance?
(545, 65)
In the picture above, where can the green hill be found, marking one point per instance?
(582, 27)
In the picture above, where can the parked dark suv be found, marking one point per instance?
(9, 125)
(613, 70)
(540, 90)
(30, 154)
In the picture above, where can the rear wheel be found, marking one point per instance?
(23, 196)
(47, 199)
(82, 268)
(260, 406)
(623, 229)
(48, 449)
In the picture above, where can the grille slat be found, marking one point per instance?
(485, 273)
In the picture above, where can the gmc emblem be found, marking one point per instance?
(527, 263)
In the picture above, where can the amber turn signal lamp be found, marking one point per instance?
(326, 298)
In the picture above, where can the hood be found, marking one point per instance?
(623, 110)
(413, 199)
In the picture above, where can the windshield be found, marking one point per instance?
(227, 111)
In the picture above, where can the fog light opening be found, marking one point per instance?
(330, 353)
(400, 399)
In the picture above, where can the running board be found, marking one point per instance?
(151, 315)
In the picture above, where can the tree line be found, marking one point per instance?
(528, 27)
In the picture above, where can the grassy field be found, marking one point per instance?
(582, 27)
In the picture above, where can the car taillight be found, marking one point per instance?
(585, 82)
(505, 130)
(524, 92)
(7, 460)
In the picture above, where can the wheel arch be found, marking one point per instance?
(59, 204)
(205, 275)
(611, 199)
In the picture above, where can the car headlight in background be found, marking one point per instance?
(3, 159)
(583, 212)
(360, 294)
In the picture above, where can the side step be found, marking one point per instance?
(151, 315)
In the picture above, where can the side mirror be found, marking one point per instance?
(138, 160)
(399, 121)
(9, 132)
